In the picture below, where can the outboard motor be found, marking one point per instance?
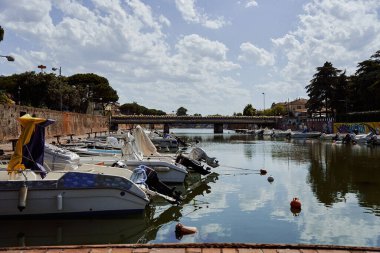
(192, 164)
(199, 154)
(153, 182)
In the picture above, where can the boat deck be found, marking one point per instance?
(193, 248)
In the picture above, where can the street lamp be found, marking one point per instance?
(60, 88)
(264, 100)
(9, 58)
(55, 69)
(19, 97)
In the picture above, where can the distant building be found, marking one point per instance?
(112, 109)
(297, 113)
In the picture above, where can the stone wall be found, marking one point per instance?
(66, 122)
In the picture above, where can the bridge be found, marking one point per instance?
(218, 121)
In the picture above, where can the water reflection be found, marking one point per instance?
(200, 186)
(336, 170)
(139, 228)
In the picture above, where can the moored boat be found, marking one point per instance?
(312, 134)
(27, 188)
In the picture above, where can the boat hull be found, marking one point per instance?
(71, 202)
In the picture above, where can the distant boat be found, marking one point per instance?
(298, 134)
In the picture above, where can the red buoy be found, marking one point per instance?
(295, 204)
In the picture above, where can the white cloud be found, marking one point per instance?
(251, 3)
(190, 14)
(343, 32)
(251, 53)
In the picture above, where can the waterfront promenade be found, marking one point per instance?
(193, 248)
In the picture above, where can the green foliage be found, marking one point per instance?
(366, 84)
(136, 109)
(58, 92)
(277, 110)
(182, 111)
(333, 91)
(249, 110)
(321, 88)
(92, 88)
(198, 114)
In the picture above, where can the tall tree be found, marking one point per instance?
(339, 96)
(366, 84)
(321, 88)
(93, 88)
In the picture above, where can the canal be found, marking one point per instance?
(338, 186)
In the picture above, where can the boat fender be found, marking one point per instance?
(270, 179)
(22, 196)
(184, 230)
(295, 204)
(59, 202)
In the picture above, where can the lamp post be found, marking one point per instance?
(60, 88)
(101, 104)
(264, 100)
(8, 57)
(19, 97)
(55, 69)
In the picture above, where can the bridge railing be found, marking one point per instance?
(193, 119)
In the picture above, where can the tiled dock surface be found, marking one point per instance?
(193, 248)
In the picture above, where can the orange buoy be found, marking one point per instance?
(184, 230)
(295, 204)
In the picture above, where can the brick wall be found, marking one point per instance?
(66, 122)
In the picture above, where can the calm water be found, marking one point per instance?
(338, 185)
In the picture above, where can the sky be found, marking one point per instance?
(208, 56)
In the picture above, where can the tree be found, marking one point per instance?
(92, 88)
(366, 84)
(249, 110)
(340, 99)
(321, 88)
(181, 111)
(277, 109)
(134, 108)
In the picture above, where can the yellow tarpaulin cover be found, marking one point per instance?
(28, 124)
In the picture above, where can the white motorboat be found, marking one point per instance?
(139, 149)
(361, 138)
(167, 170)
(57, 158)
(281, 133)
(68, 193)
(331, 137)
(28, 189)
(375, 140)
(312, 134)
(165, 142)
